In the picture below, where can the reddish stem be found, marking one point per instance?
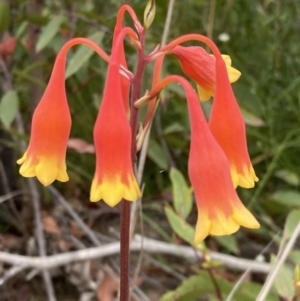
(125, 210)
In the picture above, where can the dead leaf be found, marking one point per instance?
(76, 230)
(81, 146)
(108, 287)
(50, 225)
(8, 47)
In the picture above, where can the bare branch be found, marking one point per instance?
(149, 245)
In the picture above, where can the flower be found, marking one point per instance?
(220, 211)
(125, 83)
(228, 127)
(114, 178)
(51, 124)
(200, 66)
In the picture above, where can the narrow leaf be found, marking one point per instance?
(157, 155)
(82, 54)
(9, 107)
(292, 220)
(283, 283)
(182, 194)
(180, 226)
(49, 31)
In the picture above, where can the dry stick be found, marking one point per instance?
(275, 269)
(40, 236)
(91, 235)
(11, 273)
(149, 245)
(35, 196)
(248, 271)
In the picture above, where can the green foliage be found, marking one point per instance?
(83, 54)
(182, 194)
(179, 226)
(4, 16)
(9, 106)
(200, 285)
(49, 31)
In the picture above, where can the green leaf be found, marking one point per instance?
(48, 32)
(252, 119)
(157, 155)
(229, 242)
(9, 107)
(180, 226)
(283, 282)
(289, 198)
(288, 176)
(4, 16)
(191, 289)
(82, 54)
(295, 256)
(182, 193)
(200, 285)
(291, 223)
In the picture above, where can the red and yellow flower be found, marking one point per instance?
(220, 211)
(200, 66)
(228, 127)
(51, 124)
(114, 177)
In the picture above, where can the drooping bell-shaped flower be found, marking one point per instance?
(228, 127)
(114, 177)
(200, 66)
(50, 129)
(220, 211)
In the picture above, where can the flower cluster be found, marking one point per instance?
(218, 158)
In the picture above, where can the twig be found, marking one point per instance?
(11, 273)
(216, 285)
(168, 22)
(40, 236)
(91, 235)
(149, 245)
(248, 271)
(10, 195)
(275, 269)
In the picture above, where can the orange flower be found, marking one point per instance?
(220, 211)
(125, 83)
(114, 178)
(200, 66)
(228, 127)
(51, 124)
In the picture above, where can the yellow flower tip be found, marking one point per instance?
(220, 224)
(244, 217)
(46, 170)
(112, 191)
(233, 73)
(204, 94)
(246, 179)
(22, 160)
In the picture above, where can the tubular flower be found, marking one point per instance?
(228, 127)
(125, 83)
(50, 129)
(220, 211)
(114, 178)
(200, 66)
